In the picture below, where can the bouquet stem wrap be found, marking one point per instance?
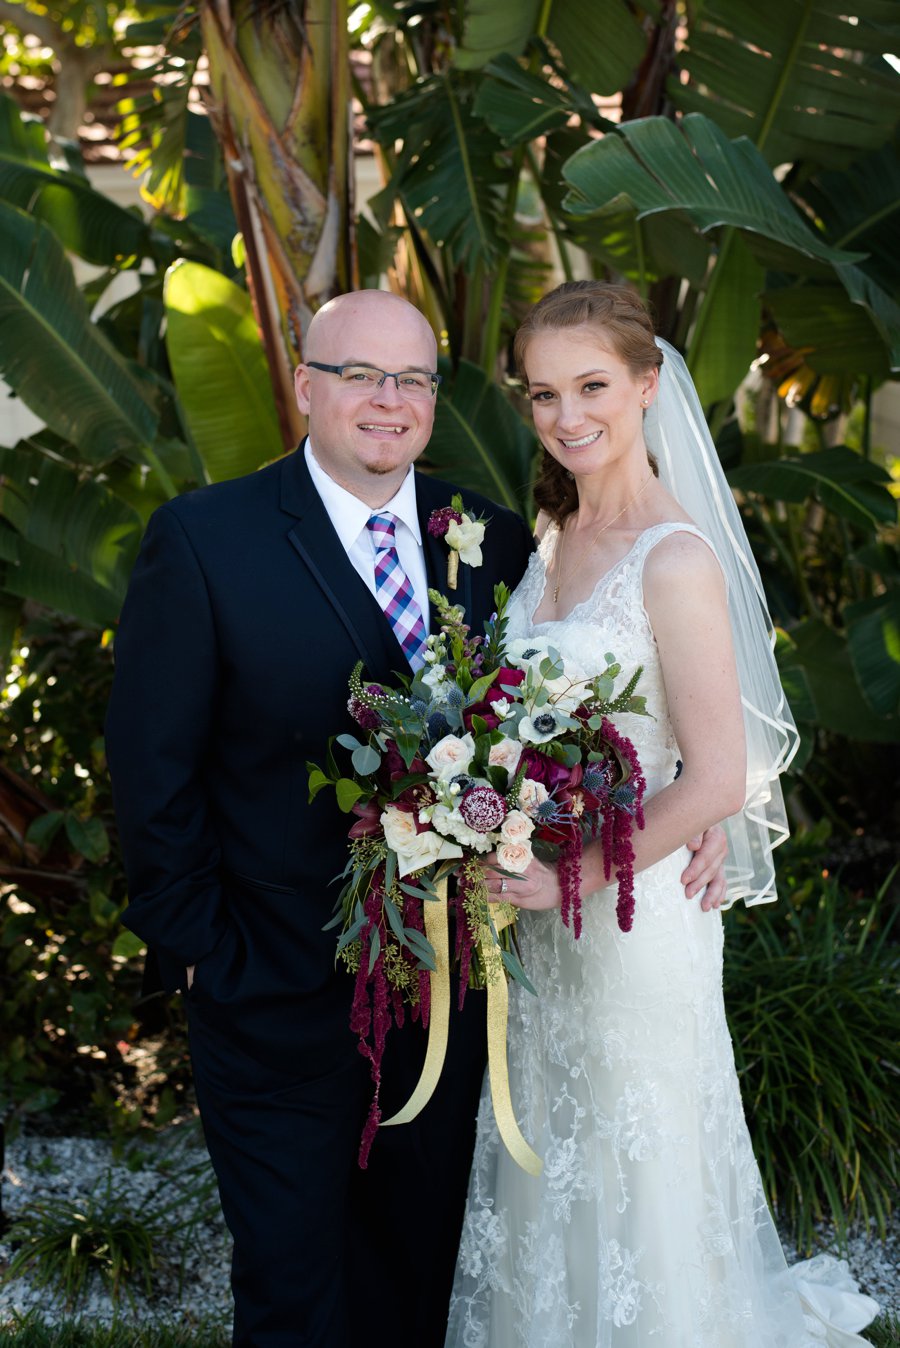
(438, 933)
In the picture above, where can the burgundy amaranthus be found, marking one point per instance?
(621, 852)
(568, 868)
(371, 1023)
(439, 521)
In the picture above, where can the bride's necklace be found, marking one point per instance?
(562, 536)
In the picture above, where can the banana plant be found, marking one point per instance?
(280, 107)
(458, 143)
(726, 194)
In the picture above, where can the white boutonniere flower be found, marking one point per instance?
(463, 533)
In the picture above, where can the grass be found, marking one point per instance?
(884, 1332)
(815, 1024)
(30, 1334)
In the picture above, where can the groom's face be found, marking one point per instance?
(366, 437)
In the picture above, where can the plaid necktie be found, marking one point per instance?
(394, 591)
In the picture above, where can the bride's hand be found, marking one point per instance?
(537, 888)
(706, 872)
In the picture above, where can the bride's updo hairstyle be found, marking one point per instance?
(621, 321)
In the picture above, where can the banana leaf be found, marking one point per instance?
(845, 482)
(220, 371)
(836, 335)
(859, 207)
(802, 79)
(696, 173)
(823, 656)
(600, 45)
(85, 222)
(479, 440)
(70, 542)
(873, 638)
(55, 359)
(448, 175)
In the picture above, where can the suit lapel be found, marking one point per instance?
(319, 548)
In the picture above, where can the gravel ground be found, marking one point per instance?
(191, 1280)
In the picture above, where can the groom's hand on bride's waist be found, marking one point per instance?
(705, 875)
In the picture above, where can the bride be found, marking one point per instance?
(648, 1227)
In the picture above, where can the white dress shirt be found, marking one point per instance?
(349, 515)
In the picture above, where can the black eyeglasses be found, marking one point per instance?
(410, 383)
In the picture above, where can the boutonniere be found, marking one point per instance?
(464, 535)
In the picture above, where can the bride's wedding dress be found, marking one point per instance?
(648, 1227)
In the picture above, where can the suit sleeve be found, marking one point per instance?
(158, 732)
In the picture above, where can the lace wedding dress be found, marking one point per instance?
(648, 1227)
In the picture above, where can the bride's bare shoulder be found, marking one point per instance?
(541, 524)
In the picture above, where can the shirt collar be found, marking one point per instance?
(349, 514)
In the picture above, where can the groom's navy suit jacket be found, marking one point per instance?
(243, 621)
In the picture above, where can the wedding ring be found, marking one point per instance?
(503, 885)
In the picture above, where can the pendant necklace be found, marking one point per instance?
(562, 535)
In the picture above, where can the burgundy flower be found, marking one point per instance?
(364, 716)
(439, 521)
(507, 677)
(368, 820)
(482, 808)
(542, 768)
(482, 709)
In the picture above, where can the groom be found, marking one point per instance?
(249, 605)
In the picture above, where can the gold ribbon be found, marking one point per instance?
(437, 933)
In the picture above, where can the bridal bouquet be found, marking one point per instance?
(492, 747)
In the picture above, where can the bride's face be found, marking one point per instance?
(587, 404)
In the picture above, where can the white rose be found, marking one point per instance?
(399, 828)
(500, 708)
(451, 755)
(516, 827)
(425, 849)
(514, 856)
(531, 795)
(466, 538)
(505, 754)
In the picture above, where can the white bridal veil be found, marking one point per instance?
(676, 433)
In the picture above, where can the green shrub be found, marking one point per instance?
(810, 993)
(69, 973)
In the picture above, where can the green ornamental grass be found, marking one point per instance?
(60, 1243)
(810, 989)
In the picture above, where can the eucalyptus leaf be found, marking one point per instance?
(366, 760)
(374, 947)
(518, 973)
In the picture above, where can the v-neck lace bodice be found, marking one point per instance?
(612, 619)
